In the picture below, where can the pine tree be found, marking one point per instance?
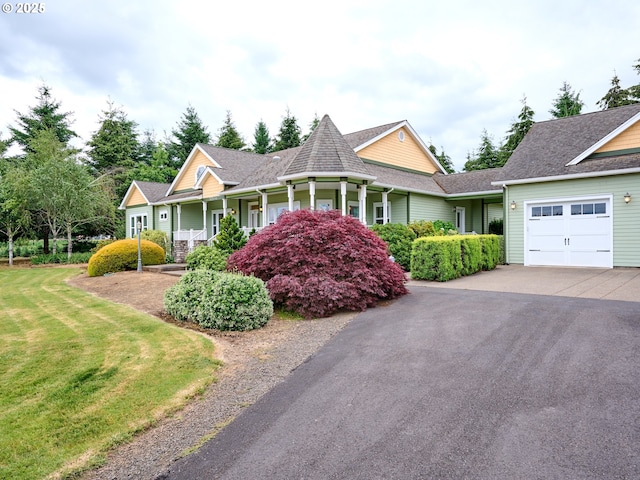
(517, 132)
(443, 159)
(261, 139)
(486, 156)
(616, 96)
(312, 126)
(45, 115)
(567, 103)
(289, 134)
(230, 238)
(190, 130)
(115, 144)
(635, 90)
(229, 136)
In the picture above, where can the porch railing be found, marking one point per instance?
(190, 236)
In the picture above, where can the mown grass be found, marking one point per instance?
(79, 374)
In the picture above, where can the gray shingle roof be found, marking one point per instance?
(550, 146)
(235, 164)
(326, 150)
(154, 191)
(468, 182)
(361, 137)
(388, 176)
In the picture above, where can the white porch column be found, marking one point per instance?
(343, 194)
(385, 208)
(224, 206)
(312, 194)
(290, 196)
(265, 210)
(179, 207)
(362, 196)
(204, 215)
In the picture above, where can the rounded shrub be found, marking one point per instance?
(423, 228)
(122, 255)
(219, 300)
(316, 263)
(158, 237)
(208, 258)
(399, 238)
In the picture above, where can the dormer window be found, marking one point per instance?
(199, 172)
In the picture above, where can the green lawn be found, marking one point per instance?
(79, 374)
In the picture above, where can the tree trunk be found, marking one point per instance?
(10, 236)
(69, 242)
(45, 241)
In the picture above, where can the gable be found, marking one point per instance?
(406, 153)
(136, 197)
(211, 186)
(186, 179)
(629, 139)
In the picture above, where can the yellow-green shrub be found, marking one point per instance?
(123, 255)
(436, 258)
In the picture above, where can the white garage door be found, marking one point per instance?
(573, 233)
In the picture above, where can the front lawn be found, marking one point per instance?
(79, 374)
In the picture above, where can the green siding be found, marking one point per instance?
(626, 217)
(191, 217)
(140, 210)
(162, 225)
(423, 207)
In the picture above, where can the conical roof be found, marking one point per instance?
(326, 151)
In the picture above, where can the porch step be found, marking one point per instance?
(169, 267)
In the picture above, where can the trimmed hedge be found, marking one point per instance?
(399, 239)
(208, 258)
(223, 301)
(122, 255)
(450, 257)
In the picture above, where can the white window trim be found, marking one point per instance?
(353, 203)
(133, 223)
(326, 201)
(164, 215)
(276, 209)
(377, 205)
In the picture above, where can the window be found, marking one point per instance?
(133, 224)
(378, 212)
(354, 209)
(324, 205)
(199, 172)
(589, 209)
(164, 215)
(277, 209)
(547, 211)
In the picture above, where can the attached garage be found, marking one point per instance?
(573, 232)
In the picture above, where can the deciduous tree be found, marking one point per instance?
(14, 202)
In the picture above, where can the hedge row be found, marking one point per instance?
(446, 258)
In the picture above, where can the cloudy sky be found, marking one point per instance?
(450, 68)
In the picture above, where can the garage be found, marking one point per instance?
(575, 232)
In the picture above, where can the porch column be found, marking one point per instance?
(343, 193)
(362, 194)
(385, 208)
(204, 215)
(224, 206)
(265, 210)
(290, 196)
(179, 208)
(312, 194)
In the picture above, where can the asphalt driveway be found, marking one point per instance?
(450, 383)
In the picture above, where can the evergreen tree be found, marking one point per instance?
(635, 90)
(312, 126)
(261, 139)
(485, 157)
(567, 103)
(158, 169)
(148, 146)
(289, 134)
(45, 115)
(115, 144)
(230, 238)
(616, 96)
(517, 132)
(229, 136)
(443, 159)
(190, 130)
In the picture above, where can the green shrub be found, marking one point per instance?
(399, 239)
(423, 228)
(492, 251)
(496, 226)
(444, 228)
(471, 254)
(209, 258)
(122, 255)
(158, 237)
(219, 300)
(436, 258)
(63, 258)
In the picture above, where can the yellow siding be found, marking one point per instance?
(136, 198)
(188, 178)
(630, 138)
(406, 154)
(211, 187)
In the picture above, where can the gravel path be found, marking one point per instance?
(254, 362)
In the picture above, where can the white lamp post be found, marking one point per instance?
(139, 254)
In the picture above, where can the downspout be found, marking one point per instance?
(505, 223)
